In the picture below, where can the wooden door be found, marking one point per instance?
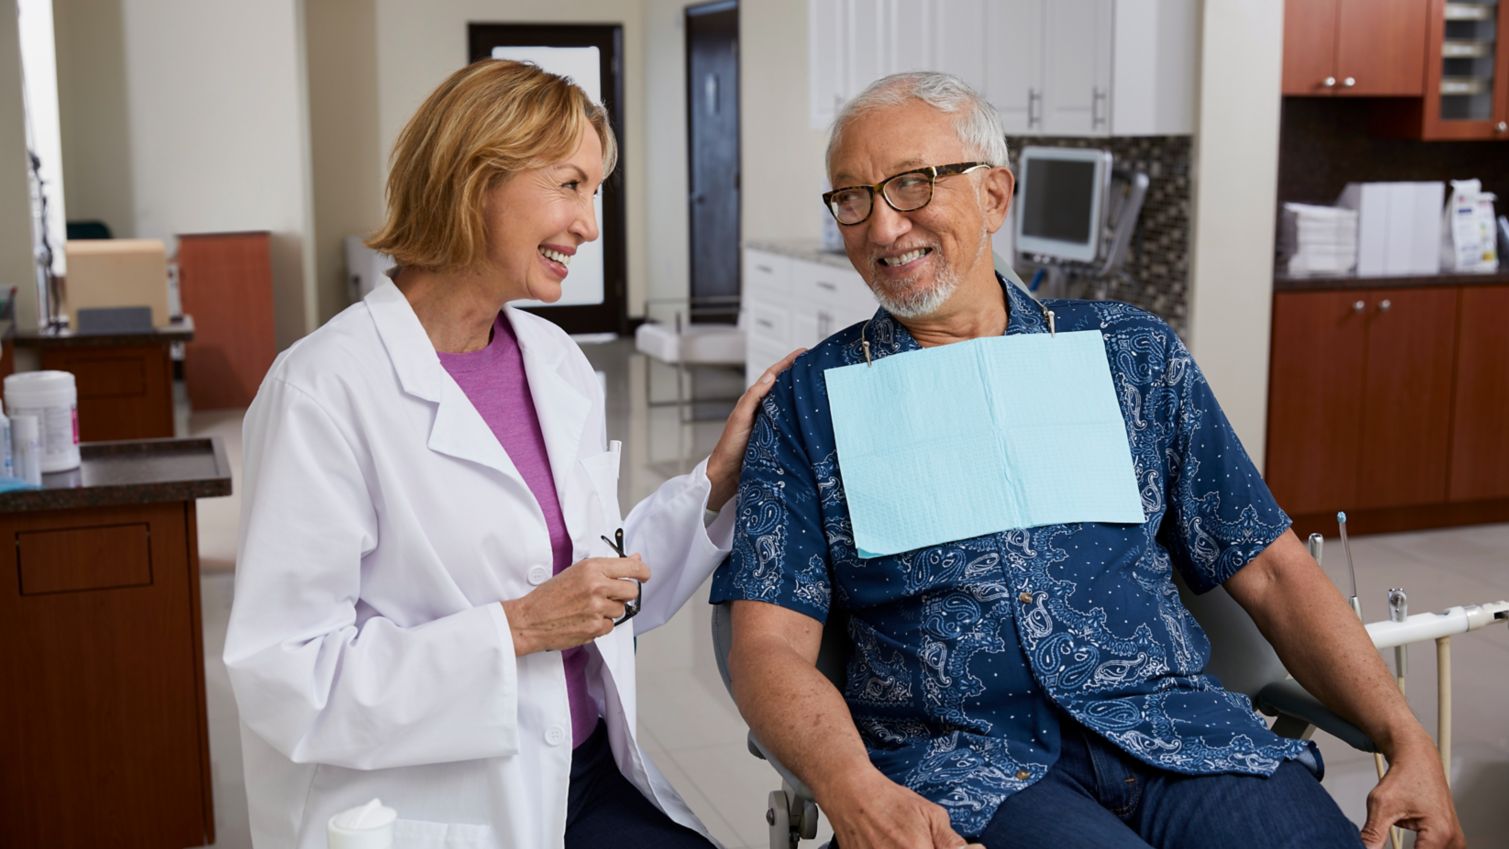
(1480, 412)
(1380, 47)
(1310, 46)
(225, 282)
(101, 658)
(1406, 411)
(1315, 399)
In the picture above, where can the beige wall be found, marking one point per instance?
(346, 154)
(16, 268)
(421, 43)
(1236, 175)
(192, 118)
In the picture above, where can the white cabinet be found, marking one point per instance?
(1051, 67)
(790, 303)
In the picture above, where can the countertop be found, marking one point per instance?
(809, 250)
(135, 471)
(180, 329)
(1320, 283)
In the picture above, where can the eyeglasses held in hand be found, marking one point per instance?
(630, 607)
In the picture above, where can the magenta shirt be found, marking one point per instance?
(494, 381)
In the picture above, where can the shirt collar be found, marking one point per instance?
(887, 335)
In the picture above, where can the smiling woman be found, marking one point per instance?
(427, 607)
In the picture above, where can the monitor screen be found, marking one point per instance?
(1060, 209)
(1059, 206)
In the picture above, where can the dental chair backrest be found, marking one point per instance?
(1240, 656)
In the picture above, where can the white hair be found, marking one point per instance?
(975, 120)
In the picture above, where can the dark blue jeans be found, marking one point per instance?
(604, 810)
(1098, 797)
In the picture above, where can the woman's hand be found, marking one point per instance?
(576, 606)
(727, 459)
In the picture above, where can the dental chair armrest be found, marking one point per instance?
(1291, 703)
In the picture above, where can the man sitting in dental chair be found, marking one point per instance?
(1038, 685)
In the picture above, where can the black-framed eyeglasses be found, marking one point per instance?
(904, 192)
(631, 607)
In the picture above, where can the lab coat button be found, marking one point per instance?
(1025, 598)
(539, 574)
(555, 735)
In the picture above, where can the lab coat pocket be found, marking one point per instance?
(602, 472)
(420, 834)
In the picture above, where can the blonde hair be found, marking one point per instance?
(486, 122)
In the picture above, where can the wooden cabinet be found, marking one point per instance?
(1052, 67)
(226, 284)
(1355, 48)
(125, 391)
(1466, 71)
(1360, 407)
(1391, 404)
(106, 741)
(1480, 418)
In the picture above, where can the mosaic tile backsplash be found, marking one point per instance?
(1156, 274)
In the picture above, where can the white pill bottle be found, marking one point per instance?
(53, 397)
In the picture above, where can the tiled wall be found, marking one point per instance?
(1156, 273)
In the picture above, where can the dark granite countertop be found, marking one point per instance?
(134, 471)
(181, 329)
(1320, 283)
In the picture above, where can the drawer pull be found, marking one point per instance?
(765, 268)
(823, 284)
(768, 325)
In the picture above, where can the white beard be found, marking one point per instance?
(906, 301)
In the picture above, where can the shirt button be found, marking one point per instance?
(538, 575)
(1023, 775)
(555, 735)
(1025, 598)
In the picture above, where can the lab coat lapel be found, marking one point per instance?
(458, 429)
(562, 408)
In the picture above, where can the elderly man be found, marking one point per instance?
(1039, 686)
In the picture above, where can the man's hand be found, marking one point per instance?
(873, 812)
(1413, 795)
(576, 606)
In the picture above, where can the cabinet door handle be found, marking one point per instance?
(1034, 99)
(1328, 82)
(1359, 306)
(1096, 97)
(1385, 305)
(1349, 82)
(1501, 127)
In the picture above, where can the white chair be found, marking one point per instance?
(675, 340)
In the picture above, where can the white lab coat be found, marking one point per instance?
(382, 523)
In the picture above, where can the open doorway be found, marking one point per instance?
(712, 120)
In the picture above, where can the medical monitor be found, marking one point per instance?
(1060, 203)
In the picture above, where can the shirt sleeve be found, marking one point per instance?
(1220, 512)
(780, 553)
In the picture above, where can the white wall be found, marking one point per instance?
(420, 44)
(665, 224)
(16, 267)
(213, 134)
(95, 112)
(1235, 185)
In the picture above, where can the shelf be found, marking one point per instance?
(1470, 11)
(1456, 49)
(1460, 86)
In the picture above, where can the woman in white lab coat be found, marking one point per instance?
(427, 586)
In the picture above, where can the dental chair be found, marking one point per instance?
(1241, 659)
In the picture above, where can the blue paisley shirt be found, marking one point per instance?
(965, 654)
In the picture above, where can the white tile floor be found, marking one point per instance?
(692, 729)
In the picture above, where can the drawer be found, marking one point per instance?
(767, 277)
(841, 290)
(760, 356)
(770, 325)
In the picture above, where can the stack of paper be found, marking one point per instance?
(1318, 239)
(1398, 226)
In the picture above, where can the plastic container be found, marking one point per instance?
(367, 827)
(53, 397)
(27, 433)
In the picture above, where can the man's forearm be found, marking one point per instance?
(796, 712)
(1323, 645)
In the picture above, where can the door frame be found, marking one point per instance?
(612, 315)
